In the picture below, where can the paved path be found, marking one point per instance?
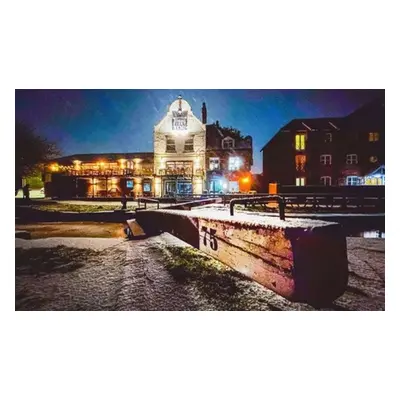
(115, 274)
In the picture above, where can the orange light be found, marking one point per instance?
(246, 179)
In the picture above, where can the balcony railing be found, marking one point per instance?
(180, 171)
(111, 172)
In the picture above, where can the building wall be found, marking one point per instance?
(343, 136)
(224, 178)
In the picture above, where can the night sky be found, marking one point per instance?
(101, 121)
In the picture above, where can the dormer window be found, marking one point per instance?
(228, 143)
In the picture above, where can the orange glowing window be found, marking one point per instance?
(373, 136)
(300, 161)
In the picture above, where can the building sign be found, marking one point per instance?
(179, 120)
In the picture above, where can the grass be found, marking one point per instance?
(79, 207)
(223, 287)
(42, 261)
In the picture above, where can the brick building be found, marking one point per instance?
(327, 151)
(229, 158)
(190, 157)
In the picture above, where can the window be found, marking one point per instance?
(170, 145)
(373, 159)
(352, 180)
(228, 143)
(300, 141)
(300, 181)
(146, 187)
(214, 163)
(373, 136)
(326, 159)
(234, 163)
(300, 163)
(189, 144)
(326, 180)
(328, 137)
(351, 159)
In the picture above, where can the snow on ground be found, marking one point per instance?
(251, 219)
(116, 274)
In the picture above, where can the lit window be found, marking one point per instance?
(189, 144)
(373, 136)
(326, 180)
(328, 137)
(326, 159)
(351, 159)
(373, 159)
(300, 141)
(214, 163)
(170, 145)
(300, 181)
(352, 180)
(234, 163)
(300, 163)
(228, 143)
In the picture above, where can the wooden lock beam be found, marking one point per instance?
(302, 260)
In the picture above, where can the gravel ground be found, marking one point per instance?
(115, 274)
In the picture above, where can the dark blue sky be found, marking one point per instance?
(99, 121)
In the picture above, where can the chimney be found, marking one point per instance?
(204, 113)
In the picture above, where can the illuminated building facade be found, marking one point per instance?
(179, 152)
(190, 157)
(328, 151)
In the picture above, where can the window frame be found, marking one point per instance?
(301, 179)
(168, 138)
(330, 136)
(349, 159)
(350, 178)
(213, 159)
(323, 158)
(373, 137)
(299, 165)
(191, 142)
(323, 180)
(240, 163)
(228, 139)
(301, 146)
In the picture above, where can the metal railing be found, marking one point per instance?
(260, 200)
(145, 200)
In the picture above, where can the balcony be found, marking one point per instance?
(110, 172)
(186, 172)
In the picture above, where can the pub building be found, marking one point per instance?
(189, 158)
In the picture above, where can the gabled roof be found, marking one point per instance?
(92, 157)
(378, 171)
(311, 124)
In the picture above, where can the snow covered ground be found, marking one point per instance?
(116, 274)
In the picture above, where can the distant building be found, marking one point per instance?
(229, 158)
(190, 157)
(327, 151)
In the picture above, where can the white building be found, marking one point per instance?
(179, 152)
